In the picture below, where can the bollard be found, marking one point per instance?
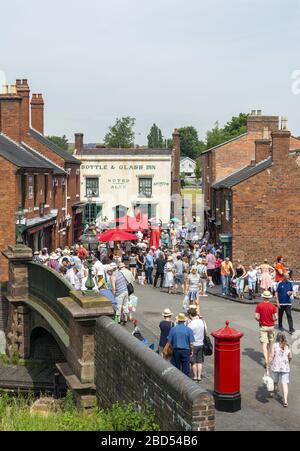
(56, 393)
(227, 392)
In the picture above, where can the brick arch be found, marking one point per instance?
(43, 346)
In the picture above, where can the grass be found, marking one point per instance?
(15, 416)
(15, 360)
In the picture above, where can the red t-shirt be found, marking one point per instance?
(266, 311)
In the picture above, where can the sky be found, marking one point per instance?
(170, 62)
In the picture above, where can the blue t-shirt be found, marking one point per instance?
(282, 290)
(181, 337)
(149, 261)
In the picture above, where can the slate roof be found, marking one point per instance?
(243, 174)
(20, 156)
(56, 149)
(120, 152)
(56, 169)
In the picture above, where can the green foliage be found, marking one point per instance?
(155, 138)
(126, 417)
(15, 360)
(198, 170)
(235, 127)
(189, 142)
(121, 134)
(15, 416)
(60, 141)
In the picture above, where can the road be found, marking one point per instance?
(259, 412)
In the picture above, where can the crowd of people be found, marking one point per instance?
(188, 268)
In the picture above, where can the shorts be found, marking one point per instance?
(210, 272)
(198, 355)
(179, 279)
(132, 266)
(283, 378)
(266, 335)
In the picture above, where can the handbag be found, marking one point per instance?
(168, 350)
(208, 348)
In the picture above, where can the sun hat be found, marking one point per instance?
(181, 318)
(167, 312)
(267, 295)
(54, 256)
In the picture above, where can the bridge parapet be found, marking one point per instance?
(35, 290)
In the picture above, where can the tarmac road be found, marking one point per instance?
(259, 411)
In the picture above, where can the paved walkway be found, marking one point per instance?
(259, 412)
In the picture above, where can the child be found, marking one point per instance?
(252, 280)
(281, 358)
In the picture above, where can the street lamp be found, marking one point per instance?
(20, 226)
(90, 200)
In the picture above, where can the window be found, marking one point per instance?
(92, 211)
(92, 187)
(23, 189)
(46, 189)
(227, 209)
(35, 189)
(145, 187)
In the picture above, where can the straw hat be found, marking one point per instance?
(170, 259)
(54, 256)
(267, 295)
(166, 313)
(181, 318)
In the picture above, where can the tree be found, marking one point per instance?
(235, 127)
(60, 141)
(198, 170)
(189, 142)
(121, 134)
(155, 138)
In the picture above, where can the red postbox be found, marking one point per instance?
(228, 369)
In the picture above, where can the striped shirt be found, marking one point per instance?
(121, 284)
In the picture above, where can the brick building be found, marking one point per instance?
(257, 207)
(222, 160)
(37, 176)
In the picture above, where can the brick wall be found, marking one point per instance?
(128, 371)
(8, 208)
(266, 213)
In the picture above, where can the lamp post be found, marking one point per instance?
(20, 226)
(90, 200)
(90, 284)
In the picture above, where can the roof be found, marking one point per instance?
(69, 158)
(120, 152)
(243, 174)
(223, 144)
(185, 157)
(56, 169)
(21, 157)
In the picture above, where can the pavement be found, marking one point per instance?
(259, 411)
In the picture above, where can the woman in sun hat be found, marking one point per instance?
(165, 327)
(169, 275)
(53, 261)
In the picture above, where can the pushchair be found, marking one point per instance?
(232, 288)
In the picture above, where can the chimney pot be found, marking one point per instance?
(79, 142)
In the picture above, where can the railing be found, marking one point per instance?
(45, 284)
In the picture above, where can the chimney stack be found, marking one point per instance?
(24, 92)
(257, 123)
(78, 142)
(37, 113)
(10, 113)
(176, 182)
(281, 145)
(262, 149)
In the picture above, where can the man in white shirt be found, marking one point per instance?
(198, 327)
(98, 267)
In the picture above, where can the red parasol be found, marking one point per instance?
(116, 235)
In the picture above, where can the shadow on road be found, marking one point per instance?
(256, 356)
